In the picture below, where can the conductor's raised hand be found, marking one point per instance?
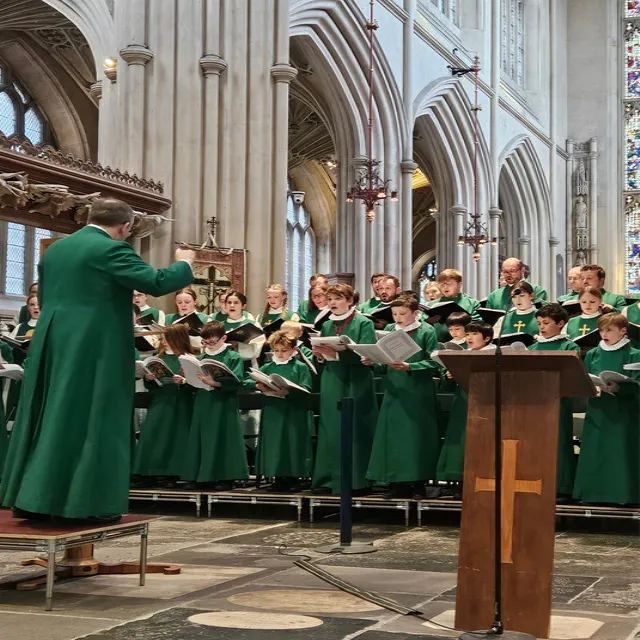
(184, 253)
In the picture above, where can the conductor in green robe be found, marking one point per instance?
(344, 376)
(70, 450)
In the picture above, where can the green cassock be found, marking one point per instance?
(520, 323)
(286, 426)
(369, 305)
(633, 315)
(151, 311)
(164, 435)
(572, 295)
(451, 460)
(346, 378)
(566, 457)
(19, 356)
(6, 355)
(406, 444)
(580, 326)
(614, 300)
(303, 310)
(501, 298)
(70, 450)
(470, 305)
(266, 320)
(310, 315)
(609, 466)
(216, 451)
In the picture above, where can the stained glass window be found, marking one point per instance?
(448, 7)
(512, 39)
(632, 145)
(301, 252)
(428, 273)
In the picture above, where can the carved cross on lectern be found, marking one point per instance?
(510, 486)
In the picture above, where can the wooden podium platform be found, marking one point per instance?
(27, 535)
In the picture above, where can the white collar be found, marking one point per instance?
(273, 312)
(524, 312)
(168, 352)
(614, 347)
(215, 352)
(278, 361)
(560, 336)
(488, 347)
(588, 316)
(97, 226)
(32, 322)
(409, 327)
(145, 307)
(229, 320)
(459, 340)
(343, 316)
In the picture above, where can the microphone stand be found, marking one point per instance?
(497, 628)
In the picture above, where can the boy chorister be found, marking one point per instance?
(406, 443)
(344, 375)
(216, 452)
(552, 318)
(450, 283)
(457, 327)
(521, 319)
(451, 461)
(609, 466)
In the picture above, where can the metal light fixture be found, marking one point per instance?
(369, 187)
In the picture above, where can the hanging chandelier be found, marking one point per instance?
(369, 187)
(475, 233)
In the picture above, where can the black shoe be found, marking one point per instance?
(223, 486)
(191, 486)
(30, 515)
(398, 491)
(356, 493)
(431, 493)
(321, 491)
(103, 520)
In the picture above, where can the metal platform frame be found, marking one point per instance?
(367, 502)
(53, 543)
(168, 495)
(240, 496)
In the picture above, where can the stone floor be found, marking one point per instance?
(237, 582)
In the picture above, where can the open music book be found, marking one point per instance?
(11, 371)
(155, 366)
(337, 343)
(191, 367)
(395, 346)
(274, 381)
(611, 379)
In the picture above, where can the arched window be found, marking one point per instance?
(428, 273)
(631, 61)
(301, 251)
(20, 244)
(449, 8)
(512, 40)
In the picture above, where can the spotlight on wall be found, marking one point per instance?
(111, 69)
(110, 63)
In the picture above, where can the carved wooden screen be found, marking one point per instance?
(217, 270)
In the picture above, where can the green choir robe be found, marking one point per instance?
(310, 315)
(266, 320)
(572, 295)
(164, 435)
(70, 450)
(15, 386)
(609, 466)
(614, 300)
(369, 305)
(469, 304)
(515, 322)
(154, 313)
(216, 451)
(501, 298)
(342, 378)
(286, 426)
(451, 460)
(581, 325)
(303, 310)
(406, 444)
(633, 315)
(24, 314)
(566, 457)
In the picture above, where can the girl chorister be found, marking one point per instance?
(590, 299)
(316, 305)
(165, 432)
(216, 452)
(25, 329)
(186, 303)
(284, 446)
(276, 307)
(235, 317)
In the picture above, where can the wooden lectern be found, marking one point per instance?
(532, 384)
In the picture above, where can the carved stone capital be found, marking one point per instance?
(553, 241)
(458, 209)
(96, 90)
(408, 166)
(136, 54)
(283, 72)
(212, 65)
(359, 162)
(522, 240)
(495, 212)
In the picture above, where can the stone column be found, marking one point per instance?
(593, 200)
(136, 56)
(96, 91)
(569, 206)
(282, 74)
(524, 250)
(212, 65)
(495, 98)
(459, 211)
(553, 280)
(407, 167)
(495, 214)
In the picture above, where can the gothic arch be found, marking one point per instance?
(526, 203)
(333, 40)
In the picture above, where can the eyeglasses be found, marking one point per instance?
(211, 343)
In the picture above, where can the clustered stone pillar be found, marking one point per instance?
(495, 214)
(407, 167)
(459, 211)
